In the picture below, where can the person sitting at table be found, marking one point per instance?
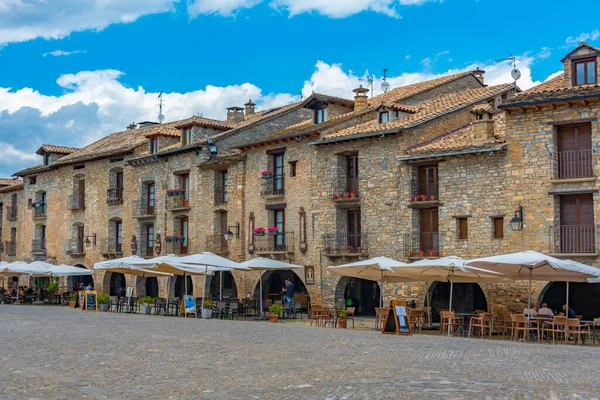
(545, 311)
(532, 312)
(89, 287)
(21, 291)
(570, 313)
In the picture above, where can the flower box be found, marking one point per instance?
(266, 173)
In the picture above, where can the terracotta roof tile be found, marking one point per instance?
(201, 121)
(162, 130)
(427, 110)
(12, 188)
(10, 181)
(330, 99)
(553, 90)
(50, 148)
(399, 107)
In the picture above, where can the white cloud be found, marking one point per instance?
(23, 20)
(585, 36)
(407, 57)
(426, 61)
(221, 7)
(10, 152)
(554, 75)
(58, 53)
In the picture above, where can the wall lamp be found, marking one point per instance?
(229, 235)
(89, 242)
(517, 222)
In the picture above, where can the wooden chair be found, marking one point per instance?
(521, 324)
(350, 314)
(558, 327)
(416, 318)
(426, 312)
(504, 324)
(576, 329)
(448, 317)
(317, 314)
(379, 316)
(481, 323)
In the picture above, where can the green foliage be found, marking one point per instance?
(53, 287)
(103, 299)
(342, 312)
(349, 302)
(276, 309)
(208, 304)
(146, 300)
(74, 297)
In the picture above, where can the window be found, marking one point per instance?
(149, 240)
(576, 232)
(119, 180)
(498, 227)
(153, 146)
(574, 151)
(47, 159)
(384, 117)
(293, 168)
(584, 72)
(225, 185)
(352, 174)
(354, 230)
(185, 185)
(320, 115)
(463, 232)
(279, 222)
(186, 137)
(33, 180)
(278, 173)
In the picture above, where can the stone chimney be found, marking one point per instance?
(483, 130)
(235, 114)
(478, 73)
(249, 107)
(360, 98)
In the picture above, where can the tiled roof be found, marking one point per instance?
(481, 108)
(404, 92)
(328, 98)
(32, 170)
(222, 158)
(10, 181)
(162, 130)
(201, 121)
(50, 148)
(12, 188)
(463, 138)
(551, 91)
(427, 110)
(400, 107)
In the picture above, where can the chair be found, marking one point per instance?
(234, 309)
(380, 314)
(115, 304)
(350, 314)
(426, 315)
(298, 309)
(481, 323)
(317, 314)
(449, 317)
(558, 327)
(521, 324)
(160, 304)
(575, 329)
(221, 309)
(416, 318)
(479, 312)
(504, 324)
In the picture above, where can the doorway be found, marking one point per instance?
(117, 284)
(466, 297)
(584, 298)
(180, 286)
(360, 293)
(152, 287)
(229, 286)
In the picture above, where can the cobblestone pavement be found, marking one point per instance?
(51, 352)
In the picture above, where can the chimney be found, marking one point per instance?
(249, 107)
(478, 73)
(483, 130)
(235, 114)
(360, 98)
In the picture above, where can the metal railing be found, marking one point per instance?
(39, 210)
(574, 164)
(216, 243)
(570, 239)
(142, 208)
(178, 248)
(11, 213)
(76, 202)
(112, 246)
(175, 202)
(281, 242)
(1, 247)
(273, 185)
(422, 244)
(38, 246)
(114, 196)
(75, 246)
(341, 242)
(428, 189)
(143, 250)
(10, 248)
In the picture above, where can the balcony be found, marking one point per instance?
(39, 210)
(38, 246)
(10, 248)
(1, 247)
(143, 250)
(342, 244)
(75, 247)
(11, 213)
(112, 247)
(281, 243)
(177, 202)
(76, 202)
(272, 186)
(344, 191)
(178, 248)
(572, 239)
(221, 195)
(424, 194)
(142, 209)
(422, 245)
(114, 196)
(216, 244)
(574, 164)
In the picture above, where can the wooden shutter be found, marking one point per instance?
(463, 228)
(498, 228)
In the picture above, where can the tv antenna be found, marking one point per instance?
(370, 79)
(515, 73)
(161, 117)
(385, 85)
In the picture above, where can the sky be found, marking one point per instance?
(74, 71)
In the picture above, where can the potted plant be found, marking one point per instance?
(433, 198)
(104, 302)
(349, 302)
(431, 253)
(260, 231)
(207, 311)
(146, 303)
(422, 197)
(179, 238)
(342, 317)
(334, 196)
(411, 253)
(73, 300)
(168, 238)
(413, 198)
(349, 249)
(275, 311)
(359, 249)
(266, 173)
(273, 230)
(421, 253)
(327, 250)
(353, 195)
(53, 287)
(347, 195)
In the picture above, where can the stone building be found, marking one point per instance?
(431, 169)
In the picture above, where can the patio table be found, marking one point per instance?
(594, 333)
(463, 326)
(540, 321)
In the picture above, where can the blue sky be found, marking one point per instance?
(71, 72)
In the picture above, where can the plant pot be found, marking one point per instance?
(207, 314)
(267, 176)
(432, 254)
(170, 194)
(342, 322)
(274, 318)
(72, 304)
(168, 240)
(432, 198)
(146, 310)
(421, 254)
(411, 253)
(259, 234)
(104, 307)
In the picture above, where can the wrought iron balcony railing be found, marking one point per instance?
(344, 243)
(570, 239)
(178, 248)
(274, 185)
(75, 247)
(10, 248)
(11, 212)
(274, 243)
(114, 196)
(574, 164)
(216, 244)
(112, 246)
(39, 210)
(422, 244)
(76, 202)
(177, 201)
(38, 246)
(143, 208)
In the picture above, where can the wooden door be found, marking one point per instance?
(150, 240)
(185, 180)
(278, 173)
(428, 181)
(81, 193)
(80, 239)
(119, 179)
(224, 186)
(577, 232)
(222, 241)
(150, 199)
(575, 151)
(279, 222)
(352, 174)
(184, 232)
(119, 236)
(354, 229)
(429, 228)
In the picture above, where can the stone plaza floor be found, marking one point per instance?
(53, 352)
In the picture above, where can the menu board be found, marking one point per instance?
(396, 320)
(91, 300)
(80, 299)
(188, 305)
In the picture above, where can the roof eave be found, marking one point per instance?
(452, 153)
(547, 101)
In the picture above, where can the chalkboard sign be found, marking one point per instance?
(81, 299)
(396, 319)
(188, 306)
(91, 300)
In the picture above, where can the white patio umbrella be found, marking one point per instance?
(378, 269)
(68, 270)
(447, 269)
(266, 264)
(532, 265)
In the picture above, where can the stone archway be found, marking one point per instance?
(364, 294)
(116, 283)
(177, 286)
(80, 280)
(273, 283)
(584, 298)
(229, 286)
(466, 297)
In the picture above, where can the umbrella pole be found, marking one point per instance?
(381, 291)
(429, 305)
(204, 288)
(221, 285)
(260, 295)
(529, 294)
(450, 306)
(567, 310)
